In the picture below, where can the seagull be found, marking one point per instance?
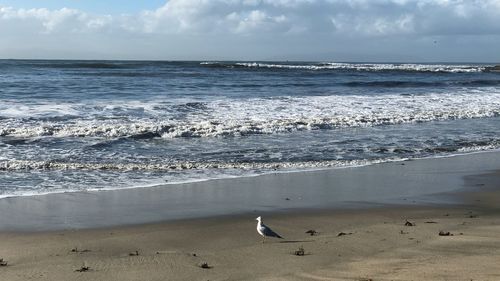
(265, 231)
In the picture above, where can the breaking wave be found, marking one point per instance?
(397, 153)
(85, 125)
(230, 118)
(15, 165)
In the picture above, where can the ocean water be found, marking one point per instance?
(90, 125)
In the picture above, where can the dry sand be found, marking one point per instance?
(377, 246)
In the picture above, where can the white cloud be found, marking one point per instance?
(355, 17)
(375, 17)
(328, 21)
(51, 21)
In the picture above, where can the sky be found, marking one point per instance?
(307, 30)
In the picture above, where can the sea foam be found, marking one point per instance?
(240, 117)
(355, 66)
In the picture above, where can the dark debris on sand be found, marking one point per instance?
(3, 263)
(409, 223)
(312, 232)
(205, 265)
(300, 252)
(75, 250)
(83, 269)
(445, 233)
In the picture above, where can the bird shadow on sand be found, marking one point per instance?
(295, 241)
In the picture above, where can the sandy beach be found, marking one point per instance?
(249, 140)
(372, 242)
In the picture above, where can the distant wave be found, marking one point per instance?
(353, 66)
(415, 84)
(80, 64)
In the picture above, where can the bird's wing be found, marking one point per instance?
(269, 232)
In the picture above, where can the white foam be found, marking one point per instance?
(113, 176)
(361, 66)
(188, 178)
(16, 110)
(235, 117)
(21, 165)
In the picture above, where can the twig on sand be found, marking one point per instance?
(312, 232)
(344, 233)
(75, 250)
(136, 253)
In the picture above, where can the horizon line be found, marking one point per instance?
(251, 60)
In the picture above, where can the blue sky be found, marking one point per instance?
(94, 6)
(324, 30)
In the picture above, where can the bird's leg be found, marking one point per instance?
(263, 239)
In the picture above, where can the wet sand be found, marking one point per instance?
(417, 182)
(376, 243)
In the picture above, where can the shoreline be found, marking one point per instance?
(428, 181)
(279, 171)
(350, 243)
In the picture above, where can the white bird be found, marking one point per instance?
(265, 231)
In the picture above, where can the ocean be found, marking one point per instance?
(98, 125)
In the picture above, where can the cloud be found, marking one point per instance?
(355, 17)
(327, 21)
(44, 21)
